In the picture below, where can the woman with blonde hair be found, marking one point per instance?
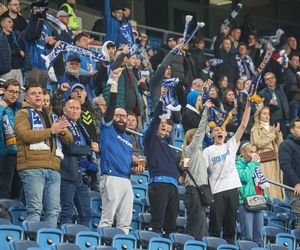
(253, 183)
(267, 139)
(192, 149)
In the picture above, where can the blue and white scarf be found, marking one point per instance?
(87, 164)
(58, 25)
(66, 47)
(170, 102)
(242, 64)
(37, 124)
(127, 38)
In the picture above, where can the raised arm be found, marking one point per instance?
(244, 122)
(109, 115)
(199, 136)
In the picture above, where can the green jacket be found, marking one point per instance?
(73, 22)
(246, 171)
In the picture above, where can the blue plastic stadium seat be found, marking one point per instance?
(139, 191)
(17, 214)
(65, 246)
(95, 202)
(246, 244)
(194, 245)
(277, 247)
(70, 231)
(180, 224)
(287, 240)
(144, 220)
(213, 242)
(49, 236)
(9, 233)
(105, 248)
(22, 244)
(31, 228)
(87, 240)
(124, 241)
(178, 239)
(269, 234)
(296, 233)
(139, 179)
(159, 243)
(143, 237)
(107, 234)
(227, 247)
(4, 221)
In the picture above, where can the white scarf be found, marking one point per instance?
(266, 125)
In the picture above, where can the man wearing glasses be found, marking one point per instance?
(9, 105)
(116, 161)
(13, 12)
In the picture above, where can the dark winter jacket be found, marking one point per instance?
(289, 158)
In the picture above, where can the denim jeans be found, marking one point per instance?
(74, 193)
(42, 194)
(251, 224)
(294, 110)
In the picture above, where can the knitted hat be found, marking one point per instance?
(192, 97)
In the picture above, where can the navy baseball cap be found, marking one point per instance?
(73, 57)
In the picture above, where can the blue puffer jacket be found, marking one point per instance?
(4, 150)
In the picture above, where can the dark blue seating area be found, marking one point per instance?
(16, 233)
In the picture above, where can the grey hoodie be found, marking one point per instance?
(194, 151)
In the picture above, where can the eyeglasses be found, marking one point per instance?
(121, 116)
(13, 92)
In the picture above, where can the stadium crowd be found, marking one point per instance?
(63, 129)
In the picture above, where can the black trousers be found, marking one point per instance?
(10, 184)
(164, 205)
(223, 213)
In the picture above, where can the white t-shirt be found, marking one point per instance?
(222, 158)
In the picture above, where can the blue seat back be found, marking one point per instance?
(22, 244)
(49, 236)
(287, 240)
(139, 192)
(4, 221)
(107, 234)
(194, 245)
(9, 233)
(65, 246)
(160, 243)
(123, 241)
(213, 242)
(277, 247)
(139, 179)
(70, 231)
(269, 234)
(17, 214)
(143, 237)
(178, 239)
(227, 247)
(246, 244)
(87, 240)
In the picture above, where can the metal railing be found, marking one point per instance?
(180, 149)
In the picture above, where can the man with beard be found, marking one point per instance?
(116, 161)
(69, 74)
(13, 12)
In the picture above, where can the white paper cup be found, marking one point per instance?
(185, 162)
